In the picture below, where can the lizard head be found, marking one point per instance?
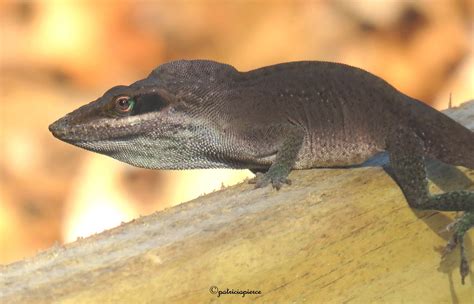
(154, 122)
(135, 124)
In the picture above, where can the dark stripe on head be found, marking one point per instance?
(151, 102)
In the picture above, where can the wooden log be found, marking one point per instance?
(334, 236)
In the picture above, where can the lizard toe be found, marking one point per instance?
(277, 183)
(460, 227)
(261, 180)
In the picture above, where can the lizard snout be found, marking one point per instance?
(59, 128)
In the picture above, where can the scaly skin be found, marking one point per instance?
(204, 114)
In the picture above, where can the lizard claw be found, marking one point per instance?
(262, 180)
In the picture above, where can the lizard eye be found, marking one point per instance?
(124, 104)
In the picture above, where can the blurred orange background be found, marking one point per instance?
(58, 55)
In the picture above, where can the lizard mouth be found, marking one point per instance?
(68, 130)
(63, 130)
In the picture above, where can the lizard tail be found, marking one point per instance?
(457, 147)
(444, 138)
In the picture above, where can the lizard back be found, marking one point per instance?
(347, 113)
(341, 109)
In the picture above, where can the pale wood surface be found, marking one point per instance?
(334, 236)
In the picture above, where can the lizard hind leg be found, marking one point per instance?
(406, 151)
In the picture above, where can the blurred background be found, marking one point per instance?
(58, 55)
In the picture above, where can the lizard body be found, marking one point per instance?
(204, 114)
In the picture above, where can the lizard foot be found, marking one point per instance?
(460, 227)
(262, 180)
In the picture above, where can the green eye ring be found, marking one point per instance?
(124, 104)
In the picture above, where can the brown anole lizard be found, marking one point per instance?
(204, 114)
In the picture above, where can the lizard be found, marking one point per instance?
(189, 114)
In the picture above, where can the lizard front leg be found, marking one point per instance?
(285, 159)
(407, 152)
